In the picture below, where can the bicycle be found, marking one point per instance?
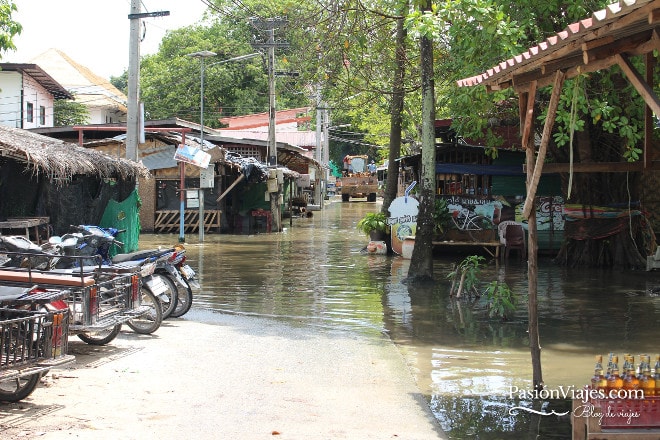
(466, 220)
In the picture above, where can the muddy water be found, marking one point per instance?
(316, 274)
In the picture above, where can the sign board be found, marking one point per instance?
(192, 199)
(192, 155)
(402, 220)
(207, 177)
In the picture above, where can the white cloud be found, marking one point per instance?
(94, 33)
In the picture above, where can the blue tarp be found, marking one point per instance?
(479, 170)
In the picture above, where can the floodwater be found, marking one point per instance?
(473, 369)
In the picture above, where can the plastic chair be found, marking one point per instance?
(514, 239)
(502, 226)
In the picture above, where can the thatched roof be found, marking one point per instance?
(61, 160)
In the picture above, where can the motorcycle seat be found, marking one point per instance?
(139, 255)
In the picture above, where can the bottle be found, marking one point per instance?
(647, 381)
(609, 366)
(598, 381)
(630, 381)
(626, 365)
(614, 382)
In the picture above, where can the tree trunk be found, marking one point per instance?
(421, 264)
(396, 110)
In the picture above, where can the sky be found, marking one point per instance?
(94, 33)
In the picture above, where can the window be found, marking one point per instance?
(42, 115)
(29, 112)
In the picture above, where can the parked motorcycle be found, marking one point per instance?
(170, 263)
(93, 243)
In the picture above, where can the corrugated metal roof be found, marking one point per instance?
(586, 45)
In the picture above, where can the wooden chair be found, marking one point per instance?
(514, 239)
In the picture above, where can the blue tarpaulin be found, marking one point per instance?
(479, 170)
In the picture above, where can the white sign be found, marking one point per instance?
(403, 220)
(192, 155)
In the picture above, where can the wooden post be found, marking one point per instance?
(527, 121)
(545, 140)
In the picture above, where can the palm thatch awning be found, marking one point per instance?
(62, 160)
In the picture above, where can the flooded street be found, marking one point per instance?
(315, 274)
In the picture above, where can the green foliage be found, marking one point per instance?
(8, 27)
(121, 82)
(501, 300)
(466, 274)
(67, 112)
(480, 33)
(372, 222)
(441, 216)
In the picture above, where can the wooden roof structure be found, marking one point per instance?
(609, 37)
(60, 160)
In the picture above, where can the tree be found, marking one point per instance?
(8, 27)
(67, 113)
(421, 264)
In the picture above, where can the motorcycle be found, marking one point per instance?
(93, 243)
(34, 333)
(100, 298)
(170, 263)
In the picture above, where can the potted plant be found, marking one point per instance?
(374, 225)
(441, 218)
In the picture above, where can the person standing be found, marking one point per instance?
(372, 167)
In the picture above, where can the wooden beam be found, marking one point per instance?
(221, 196)
(545, 140)
(645, 91)
(649, 64)
(619, 46)
(594, 167)
(528, 122)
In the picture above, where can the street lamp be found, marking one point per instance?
(202, 55)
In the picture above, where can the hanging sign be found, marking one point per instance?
(192, 155)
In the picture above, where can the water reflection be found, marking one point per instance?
(315, 273)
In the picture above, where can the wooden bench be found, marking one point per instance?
(56, 279)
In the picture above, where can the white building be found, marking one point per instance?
(27, 96)
(106, 104)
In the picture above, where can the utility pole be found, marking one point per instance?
(319, 145)
(133, 119)
(269, 26)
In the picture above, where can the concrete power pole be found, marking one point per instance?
(133, 118)
(133, 106)
(269, 26)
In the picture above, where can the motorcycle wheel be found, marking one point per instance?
(18, 389)
(184, 302)
(171, 294)
(101, 337)
(150, 321)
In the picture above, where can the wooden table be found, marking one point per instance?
(25, 224)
